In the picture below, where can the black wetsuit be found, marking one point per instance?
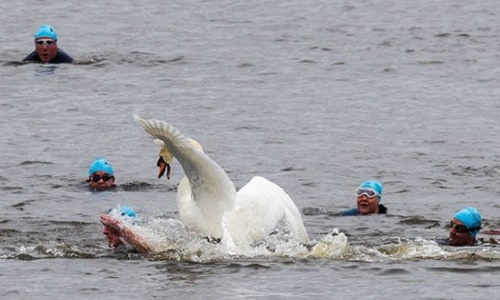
(61, 57)
(354, 211)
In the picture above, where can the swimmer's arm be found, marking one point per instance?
(135, 240)
(122, 230)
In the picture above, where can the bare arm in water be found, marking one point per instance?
(118, 231)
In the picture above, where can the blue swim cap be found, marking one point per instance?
(471, 218)
(126, 213)
(374, 185)
(101, 165)
(46, 31)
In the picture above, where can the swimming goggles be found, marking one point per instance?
(461, 228)
(96, 177)
(367, 192)
(47, 42)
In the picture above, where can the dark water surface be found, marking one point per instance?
(316, 96)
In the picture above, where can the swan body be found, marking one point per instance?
(207, 200)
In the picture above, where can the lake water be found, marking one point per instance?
(316, 96)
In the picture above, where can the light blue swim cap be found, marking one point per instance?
(126, 213)
(374, 185)
(46, 31)
(101, 165)
(471, 218)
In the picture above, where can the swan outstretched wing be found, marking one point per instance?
(211, 188)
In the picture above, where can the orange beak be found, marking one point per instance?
(163, 165)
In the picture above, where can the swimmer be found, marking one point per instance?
(118, 229)
(464, 226)
(46, 49)
(101, 175)
(368, 196)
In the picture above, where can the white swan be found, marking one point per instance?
(207, 200)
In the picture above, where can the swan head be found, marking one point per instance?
(166, 157)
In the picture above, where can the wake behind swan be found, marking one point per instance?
(207, 200)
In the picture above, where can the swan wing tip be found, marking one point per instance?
(140, 121)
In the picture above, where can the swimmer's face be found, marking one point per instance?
(101, 181)
(367, 205)
(46, 48)
(458, 235)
